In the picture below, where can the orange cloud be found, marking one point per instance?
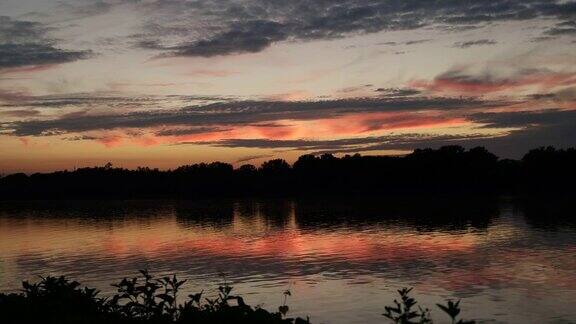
(25, 141)
(348, 125)
(110, 140)
(361, 123)
(146, 140)
(276, 131)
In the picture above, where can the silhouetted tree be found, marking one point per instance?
(447, 170)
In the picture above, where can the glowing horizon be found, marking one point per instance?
(161, 84)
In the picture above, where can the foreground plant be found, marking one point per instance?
(403, 311)
(142, 299)
(145, 299)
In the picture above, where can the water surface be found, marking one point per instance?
(342, 260)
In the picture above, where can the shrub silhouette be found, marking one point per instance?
(53, 300)
(453, 309)
(403, 311)
(142, 299)
(149, 300)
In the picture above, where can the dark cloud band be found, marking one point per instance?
(242, 113)
(24, 43)
(230, 27)
(480, 42)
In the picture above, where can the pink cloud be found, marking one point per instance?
(341, 126)
(24, 140)
(28, 69)
(355, 124)
(9, 95)
(146, 140)
(458, 82)
(276, 131)
(110, 140)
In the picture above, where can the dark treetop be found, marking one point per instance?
(447, 170)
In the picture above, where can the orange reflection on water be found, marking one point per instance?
(162, 237)
(167, 238)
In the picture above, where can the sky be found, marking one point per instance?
(163, 83)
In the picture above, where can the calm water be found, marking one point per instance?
(342, 260)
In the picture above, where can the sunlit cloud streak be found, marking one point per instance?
(241, 113)
(529, 129)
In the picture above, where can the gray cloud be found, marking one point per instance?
(480, 42)
(188, 131)
(207, 28)
(17, 31)
(247, 37)
(92, 8)
(415, 42)
(389, 43)
(549, 117)
(99, 100)
(563, 95)
(82, 138)
(19, 55)
(564, 28)
(398, 92)
(336, 146)
(24, 43)
(410, 42)
(539, 96)
(20, 113)
(241, 113)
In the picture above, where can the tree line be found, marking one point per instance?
(446, 170)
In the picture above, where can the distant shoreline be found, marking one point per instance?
(450, 170)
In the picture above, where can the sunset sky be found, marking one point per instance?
(163, 83)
